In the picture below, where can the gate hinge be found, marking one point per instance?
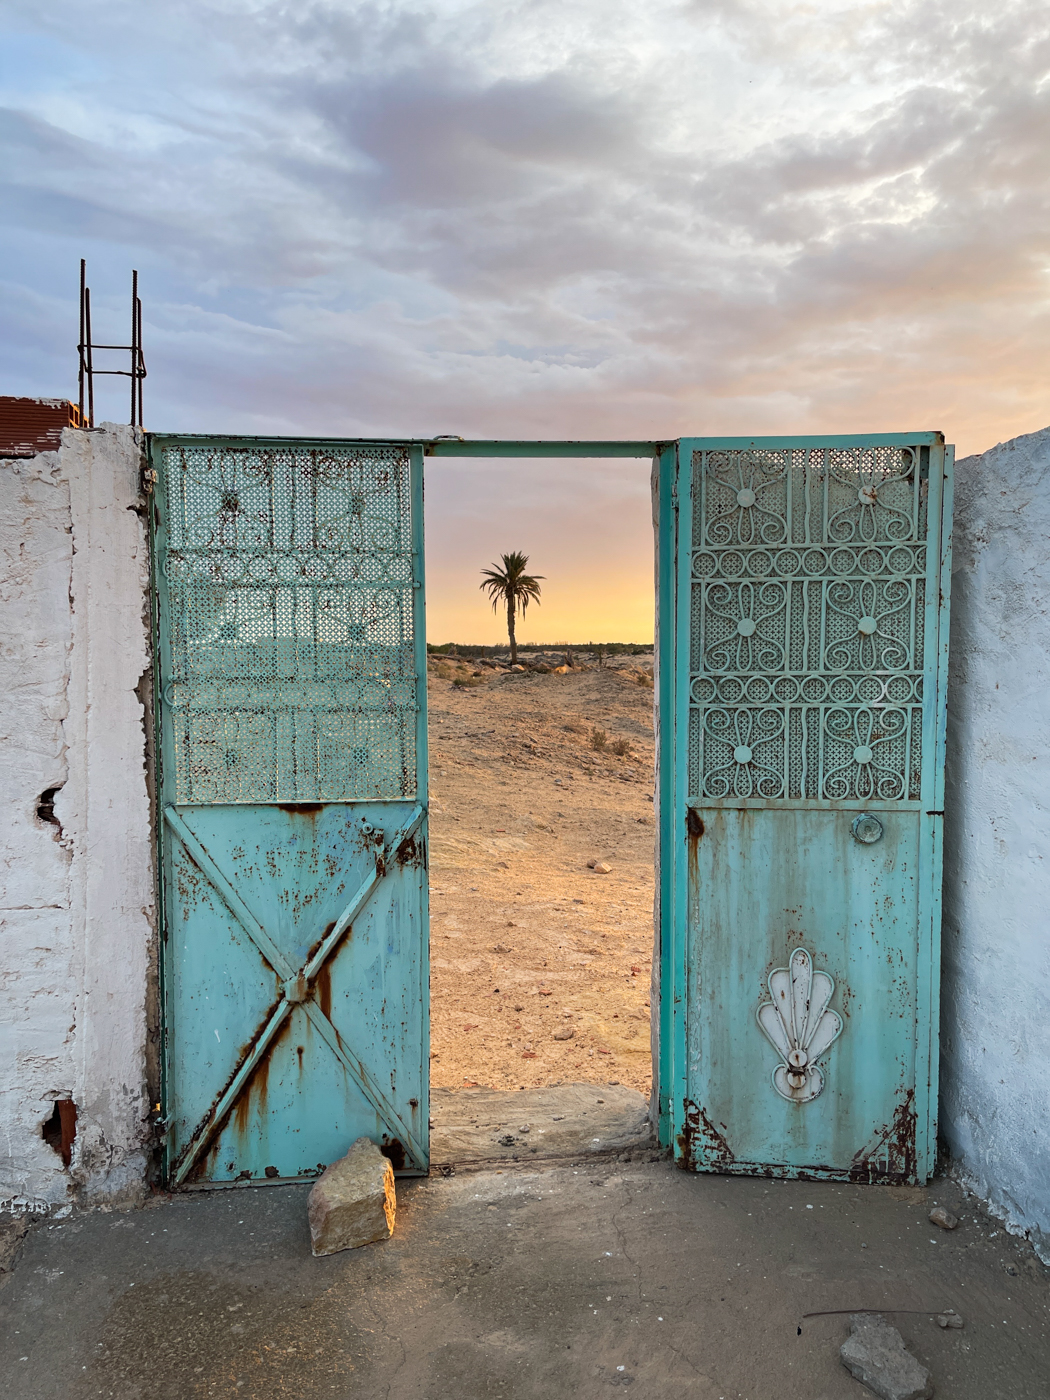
(149, 479)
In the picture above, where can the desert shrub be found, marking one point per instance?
(644, 678)
(599, 739)
(621, 747)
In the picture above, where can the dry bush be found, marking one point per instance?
(599, 739)
(621, 747)
(462, 682)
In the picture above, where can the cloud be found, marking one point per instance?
(529, 218)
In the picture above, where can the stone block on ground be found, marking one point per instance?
(566, 1120)
(875, 1353)
(352, 1203)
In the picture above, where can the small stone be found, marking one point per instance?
(944, 1218)
(949, 1319)
(517, 668)
(600, 868)
(524, 1128)
(352, 1203)
(875, 1354)
(565, 1033)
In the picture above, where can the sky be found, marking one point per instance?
(548, 218)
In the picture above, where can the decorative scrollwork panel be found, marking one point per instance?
(755, 497)
(807, 624)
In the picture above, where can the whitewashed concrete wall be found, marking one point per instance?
(76, 898)
(995, 1081)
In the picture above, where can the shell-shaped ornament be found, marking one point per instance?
(799, 1026)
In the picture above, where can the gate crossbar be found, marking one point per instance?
(295, 989)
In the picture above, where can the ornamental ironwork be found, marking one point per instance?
(290, 623)
(808, 603)
(798, 1024)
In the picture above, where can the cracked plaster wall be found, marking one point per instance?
(77, 894)
(995, 994)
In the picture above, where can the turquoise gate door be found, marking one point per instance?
(291, 728)
(803, 645)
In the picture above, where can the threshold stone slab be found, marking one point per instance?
(352, 1202)
(563, 1120)
(875, 1353)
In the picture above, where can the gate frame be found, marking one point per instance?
(674, 600)
(672, 524)
(418, 449)
(150, 479)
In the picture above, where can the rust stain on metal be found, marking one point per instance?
(686, 1138)
(257, 1087)
(301, 809)
(323, 989)
(694, 824)
(714, 1142)
(392, 1148)
(411, 853)
(701, 1143)
(892, 1156)
(245, 1050)
(318, 941)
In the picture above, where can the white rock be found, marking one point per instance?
(600, 868)
(875, 1353)
(944, 1218)
(352, 1202)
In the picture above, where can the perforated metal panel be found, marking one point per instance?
(807, 623)
(291, 673)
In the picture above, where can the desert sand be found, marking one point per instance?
(541, 966)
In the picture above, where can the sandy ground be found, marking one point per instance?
(526, 942)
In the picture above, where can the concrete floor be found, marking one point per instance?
(522, 1282)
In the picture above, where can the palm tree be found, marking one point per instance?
(515, 587)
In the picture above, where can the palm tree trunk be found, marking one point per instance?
(510, 632)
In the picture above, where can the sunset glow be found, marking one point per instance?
(558, 218)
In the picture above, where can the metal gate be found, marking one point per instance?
(291, 741)
(803, 644)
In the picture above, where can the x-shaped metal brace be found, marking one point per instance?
(295, 990)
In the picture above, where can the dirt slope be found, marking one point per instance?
(526, 942)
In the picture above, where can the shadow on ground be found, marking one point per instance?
(516, 1282)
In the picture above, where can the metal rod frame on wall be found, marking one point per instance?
(86, 348)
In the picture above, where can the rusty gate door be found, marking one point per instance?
(802, 796)
(291, 742)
